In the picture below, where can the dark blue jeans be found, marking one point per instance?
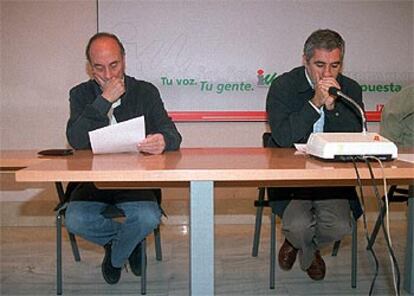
(84, 218)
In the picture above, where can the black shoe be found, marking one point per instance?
(135, 261)
(110, 274)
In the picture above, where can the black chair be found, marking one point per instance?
(113, 212)
(262, 202)
(395, 194)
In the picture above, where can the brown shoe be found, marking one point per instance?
(287, 256)
(317, 269)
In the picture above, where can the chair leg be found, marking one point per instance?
(58, 253)
(158, 249)
(380, 218)
(74, 245)
(354, 253)
(272, 250)
(335, 248)
(377, 226)
(258, 223)
(144, 267)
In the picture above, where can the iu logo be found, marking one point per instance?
(265, 80)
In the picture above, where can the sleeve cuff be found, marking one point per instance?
(102, 105)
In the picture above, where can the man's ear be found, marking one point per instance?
(304, 62)
(88, 69)
(341, 68)
(124, 61)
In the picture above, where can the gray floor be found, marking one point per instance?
(28, 265)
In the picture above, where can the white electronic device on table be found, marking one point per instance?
(345, 146)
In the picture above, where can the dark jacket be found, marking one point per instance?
(88, 111)
(291, 120)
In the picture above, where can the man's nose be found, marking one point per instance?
(107, 74)
(327, 71)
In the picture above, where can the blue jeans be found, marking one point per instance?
(84, 218)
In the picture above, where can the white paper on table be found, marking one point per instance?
(120, 137)
(301, 148)
(406, 157)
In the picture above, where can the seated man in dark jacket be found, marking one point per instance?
(108, 98)
(298, 104)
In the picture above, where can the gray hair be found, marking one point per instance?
(323, 39)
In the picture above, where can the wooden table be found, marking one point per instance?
(204, 168)
(13, 160)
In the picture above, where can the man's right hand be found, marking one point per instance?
(112, 89)
(322, 96)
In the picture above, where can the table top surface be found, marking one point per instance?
(282, 165)
(18, 159)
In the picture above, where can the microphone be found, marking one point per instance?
(333, 91)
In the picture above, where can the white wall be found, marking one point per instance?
(42, 45)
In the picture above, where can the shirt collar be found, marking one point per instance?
(309, 79)
(304, 85)
(117, 103)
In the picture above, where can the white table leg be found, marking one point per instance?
(202, 238)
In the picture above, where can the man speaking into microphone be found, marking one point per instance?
(299, 103)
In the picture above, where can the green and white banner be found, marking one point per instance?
(214, 60)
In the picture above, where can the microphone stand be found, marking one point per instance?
(337, 92)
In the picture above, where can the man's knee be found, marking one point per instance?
(151, 220)
(73, 222)
(146, 214)
(80, 216)
(299, 233)
(296, 225)
(335, 232)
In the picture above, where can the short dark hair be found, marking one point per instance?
(323, 39)
(103, 35)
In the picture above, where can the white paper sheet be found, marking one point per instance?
(301, 148)
(406, 157)
(117, 138)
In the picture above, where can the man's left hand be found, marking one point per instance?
(322, 96)
(152, 144)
